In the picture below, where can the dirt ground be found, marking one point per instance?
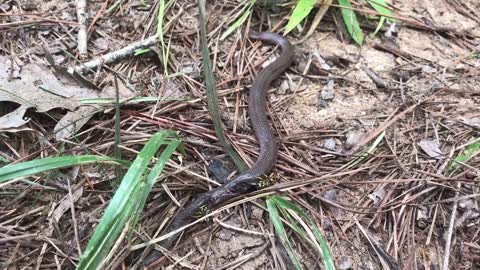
(402, 206)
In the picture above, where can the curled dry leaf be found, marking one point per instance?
(431, 148)
(62, 207)
(468, 204)
(377, 196)
(123, 90)
(345, 263)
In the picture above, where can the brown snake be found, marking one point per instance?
(257, 111)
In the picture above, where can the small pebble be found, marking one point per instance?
(302, 66)
(327, 93)
(284, 86)
(345, 263)
(353, 138)
(225, 234)
(330, 144)
(429, 69)
(257, 213)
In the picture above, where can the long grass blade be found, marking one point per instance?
(239, 21)
(212, 92)
(300, 12)
(471, 151)
(281, 233)
(381, 7)
(160, 34)
(116, 148)
(351, 21)
(154, 174)
(18, 170)
(309, 231)
(128, 199)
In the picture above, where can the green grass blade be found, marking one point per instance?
(160, 34)
(116, 148)
(239, 21)
(114, 6)
(141, 51)
(212, 92)
(285, 206)
(351, 21)
(379, 25)
(155, 173)
(325, 249)
(381, 7)
(101, 101)
(4, 160)
(23, 169)
(471, 150)
(301, 11)
(124, 204)
(107, 232)
(162, 160)
(282, 206)
(281, 201)
(281, 233)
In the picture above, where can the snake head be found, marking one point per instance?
(253, 34)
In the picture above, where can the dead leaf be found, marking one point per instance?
(377, 196)
(37, 87)
(62, 207)
(123, 90)
(14, 119)
(471, 121)
(73, 121)
(431, 148)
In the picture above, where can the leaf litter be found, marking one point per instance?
(398, 193)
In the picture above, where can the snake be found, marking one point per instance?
(257, 110)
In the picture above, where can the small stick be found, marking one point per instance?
(114, 56)
(448, 236)
(82, 17)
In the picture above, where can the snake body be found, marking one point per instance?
(268, 145)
